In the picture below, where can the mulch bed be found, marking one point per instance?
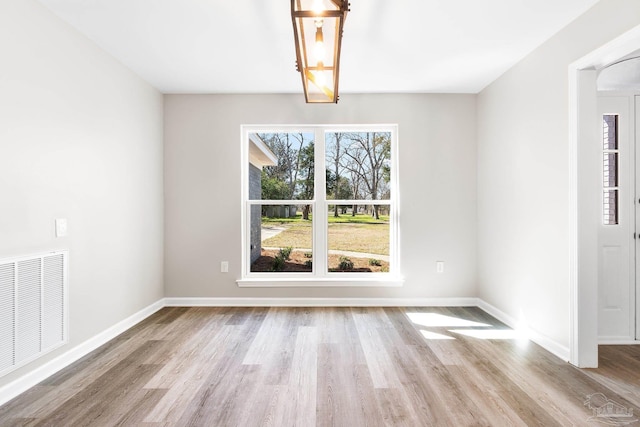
(297, 259)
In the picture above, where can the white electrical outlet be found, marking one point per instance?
(439, 266)
(61, 227)
(224, 267)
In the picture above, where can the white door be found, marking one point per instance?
(616, 244)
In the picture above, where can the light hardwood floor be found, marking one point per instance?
(326, 367)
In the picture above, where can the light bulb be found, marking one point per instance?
(318, 6)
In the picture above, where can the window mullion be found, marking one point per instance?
(320, 251)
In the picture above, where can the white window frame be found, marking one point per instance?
(320, 276)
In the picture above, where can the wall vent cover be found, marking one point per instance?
(33, 307)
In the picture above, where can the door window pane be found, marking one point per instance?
(610, 207)
(610, 132)
(610, 169)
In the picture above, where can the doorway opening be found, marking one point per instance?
(586, 166)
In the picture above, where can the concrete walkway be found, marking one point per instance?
(344, 253)
(269, 231)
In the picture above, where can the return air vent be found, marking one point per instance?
(33, 312)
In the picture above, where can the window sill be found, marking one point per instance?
(324, 282)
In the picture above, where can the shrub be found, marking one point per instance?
(345, 263)
(278, 263)
(308, 255)
(375, 262)
(285, 253)
(308, 263)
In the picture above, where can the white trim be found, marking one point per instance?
(574, 324)
(311, 282)
(320, 275)
(614, 341)
(38, 254)
(30, 379)
(321, 302)
(543, 341)
(585, 220)
(583, 335)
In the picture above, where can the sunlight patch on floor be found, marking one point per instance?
(436, 320)
(490, 334)
(435, 336)
(468, 328)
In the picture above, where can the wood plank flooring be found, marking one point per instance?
(324, 367)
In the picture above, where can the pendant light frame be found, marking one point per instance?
(317, 21)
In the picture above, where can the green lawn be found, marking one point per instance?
(361, 233)
(297, 235)
(347, 218)
(358, 219)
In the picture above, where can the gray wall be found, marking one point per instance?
(80, 138)
(524, 176)
(437, 168)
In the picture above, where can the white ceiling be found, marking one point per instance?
(246, 46)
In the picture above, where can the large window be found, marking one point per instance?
(320, 205)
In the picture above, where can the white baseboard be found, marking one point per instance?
(543, 341)
(320, 302)
(22, 384)
(617, 341)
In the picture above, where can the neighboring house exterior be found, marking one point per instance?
(281, 211)
(259, 156)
